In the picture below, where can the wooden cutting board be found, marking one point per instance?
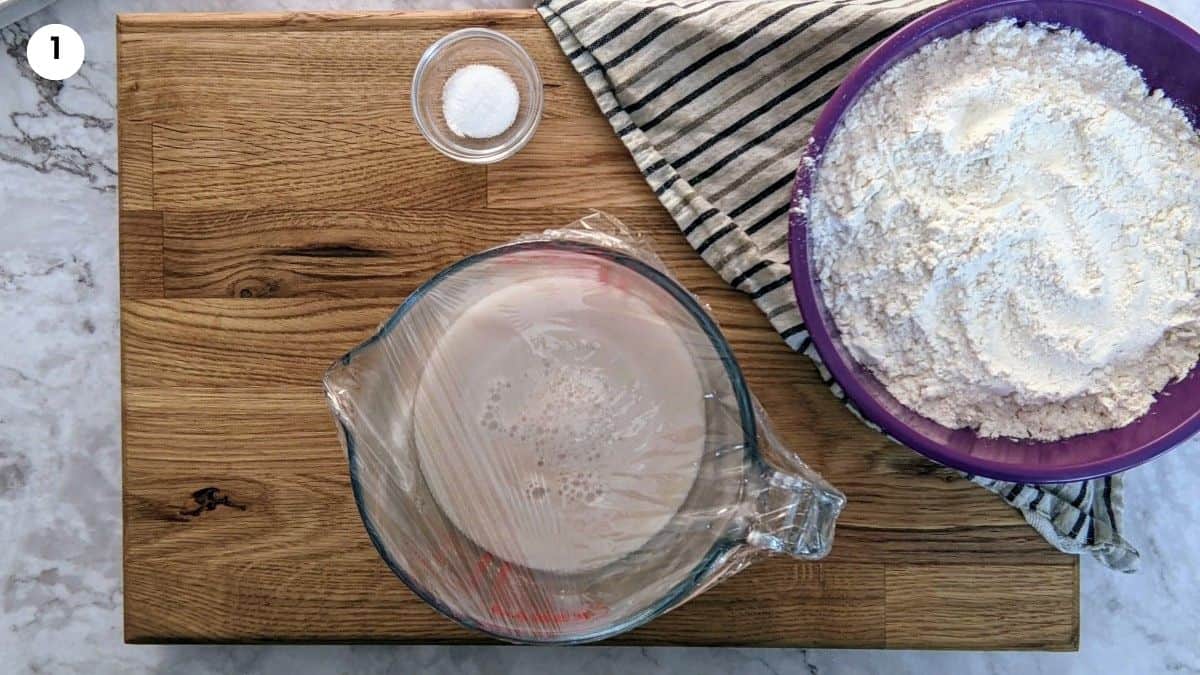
(276, 203)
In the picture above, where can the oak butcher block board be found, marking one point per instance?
(277, 202)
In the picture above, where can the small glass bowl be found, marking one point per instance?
(463, 48)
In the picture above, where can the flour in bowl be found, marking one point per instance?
(1006, 226)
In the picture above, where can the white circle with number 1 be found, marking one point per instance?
(55, 51)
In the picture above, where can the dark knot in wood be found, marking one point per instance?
(337, 251)
(208, 499)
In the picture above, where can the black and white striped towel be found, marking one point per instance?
(715, 101)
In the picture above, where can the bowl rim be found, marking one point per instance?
(523, 60)
(807, 292)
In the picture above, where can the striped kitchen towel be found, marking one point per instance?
(715, 100)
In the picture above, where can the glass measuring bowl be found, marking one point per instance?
(738, 506)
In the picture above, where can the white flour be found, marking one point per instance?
(1007, 232)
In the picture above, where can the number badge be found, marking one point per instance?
(55, 52)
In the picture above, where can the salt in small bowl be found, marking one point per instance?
(459, 49)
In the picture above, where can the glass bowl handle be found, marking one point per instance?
(792, 513)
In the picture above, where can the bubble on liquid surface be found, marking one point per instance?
(535, 489)
(567, 412)
(580, 487)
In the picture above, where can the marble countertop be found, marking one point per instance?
(60, 522)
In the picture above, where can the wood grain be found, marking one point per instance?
(277, 203)
(136, 187)
(596, 160)
(140, 244)
(341, 163)
(940, 595)
(308, 75)
(324, 22)
(314, 253)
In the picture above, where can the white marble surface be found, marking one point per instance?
(60, 592)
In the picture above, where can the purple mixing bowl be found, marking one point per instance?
(1168, 53)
